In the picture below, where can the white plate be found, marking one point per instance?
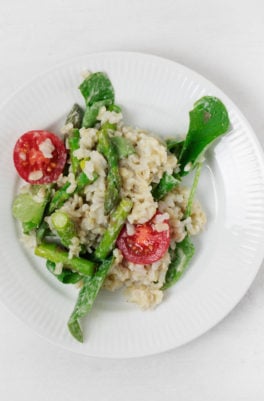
(155, 94)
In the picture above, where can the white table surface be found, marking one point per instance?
(222, 40)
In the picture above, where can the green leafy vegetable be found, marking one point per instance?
(167, 183)
(97, 91)
(208, 120)
(66, 276)
(175, 146)
(180, 258)
(123, 146)
(75, 116)
(115, 108)
(86, 298)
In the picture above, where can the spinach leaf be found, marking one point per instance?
(208, 120)
(97, 91)
(123, 146)
(175, 146)
(91, 113)
(67, 276)
(167, 183)
(115, 108)
(180, 258)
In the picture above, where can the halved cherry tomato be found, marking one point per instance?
(146, 245)
(39, 157)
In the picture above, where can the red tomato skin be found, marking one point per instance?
(153, 244)
(33, 159)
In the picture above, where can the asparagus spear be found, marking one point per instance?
(107, 148)
(64, 227)
(42, 231)
(56, 254)
(66, 276)
(73, 141)
(61, 195)
(86, 298)
(75, 116)
(117, 220)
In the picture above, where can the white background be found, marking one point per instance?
(222, 40)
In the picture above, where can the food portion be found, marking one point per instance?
(106, 205)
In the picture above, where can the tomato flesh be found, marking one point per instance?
(146, 245)
(39, 157)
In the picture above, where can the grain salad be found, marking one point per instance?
(106, 204)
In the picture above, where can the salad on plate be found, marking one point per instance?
(104, 203)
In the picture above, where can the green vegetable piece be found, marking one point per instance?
(180, 259)
(29, 209)
(83, 180)
(123, 147)
(91, 113)
(86, 298)
(73, 141)
(113, 184)
(188, 210)
(97, 87)
(42, 231)
(208, 120)
(64, 227)
(59, 198)
(175, 146)
(56, 254)
(28, 227)
(97, 91)
(61, 195)
(115, 108)
(117, 220)
(66, 276)
(75, 116)
(167, 183)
